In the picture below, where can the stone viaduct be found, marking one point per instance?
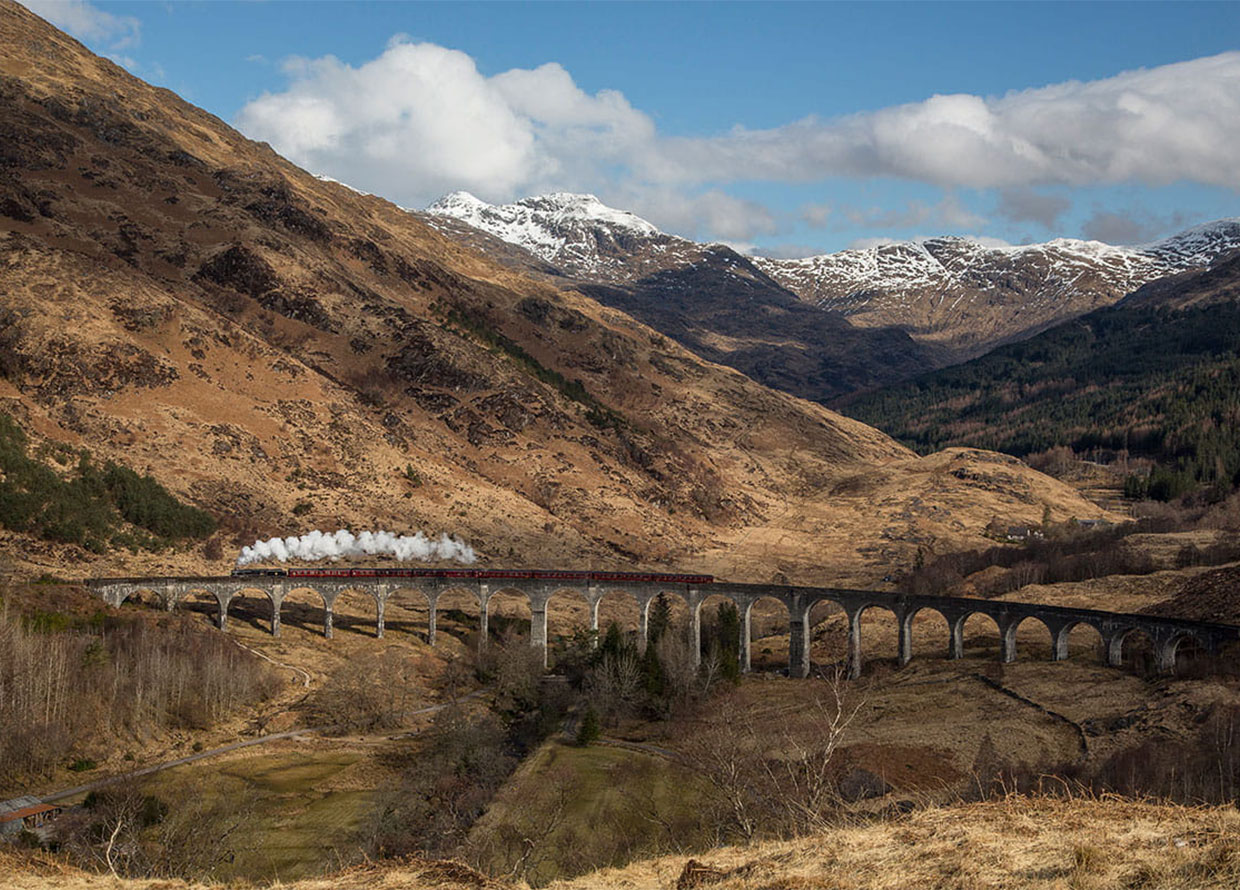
(1115, 629)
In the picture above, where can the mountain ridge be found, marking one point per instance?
(1153, 377)
(957, 297)
(709, 298)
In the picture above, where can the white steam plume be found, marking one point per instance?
(318, 545)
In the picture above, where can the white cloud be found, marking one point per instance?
(87, 22)
(1116, 228)
(1026, 205)
(815, 215)
(713, 214)
(1154, 126)
(420, 120)
(1131, 226)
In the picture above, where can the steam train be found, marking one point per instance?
(479, 575)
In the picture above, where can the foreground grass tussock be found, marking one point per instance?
(1019, 842)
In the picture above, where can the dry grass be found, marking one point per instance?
(1014, 843)
(1019, 842)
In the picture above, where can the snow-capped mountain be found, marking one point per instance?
(969, 296)
(578, 234)
(707, 296)
(957, 296)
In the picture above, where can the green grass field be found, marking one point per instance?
(300, 808)
(568, 810)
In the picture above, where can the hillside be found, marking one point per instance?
(287, 354)
(1020, 842)
(1156, 376)
(707, 297)
(955, 297)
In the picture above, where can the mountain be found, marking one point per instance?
(707, 297)
(577, 234)
(956, 297)
(1155, 376)
(287, 354)
(968, 297)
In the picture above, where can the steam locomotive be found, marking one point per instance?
(478, 575)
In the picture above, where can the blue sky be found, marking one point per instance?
(793, 128)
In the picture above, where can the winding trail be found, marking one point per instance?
(305, 675)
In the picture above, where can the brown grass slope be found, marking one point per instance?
(183, 299)
(1014, 843)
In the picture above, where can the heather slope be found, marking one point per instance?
(263, 341)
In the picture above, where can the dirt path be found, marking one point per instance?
(304, 676)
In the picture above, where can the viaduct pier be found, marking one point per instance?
(1165, 635)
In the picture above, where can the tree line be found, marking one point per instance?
(82, 503)
(73, 687)
(1151, 381)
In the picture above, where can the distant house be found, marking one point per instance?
(1018, 532)
(1091, 523)
(25, 813)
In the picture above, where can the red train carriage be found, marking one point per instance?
(482, 574)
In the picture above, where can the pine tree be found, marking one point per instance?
(729, 640)
(589, 730)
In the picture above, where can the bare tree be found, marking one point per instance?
(805, 770)
(770, 777)
(613, 686)
(371, 692)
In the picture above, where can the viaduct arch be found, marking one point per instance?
(1113, 627)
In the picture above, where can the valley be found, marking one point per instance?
(928, 732)
(520, 542)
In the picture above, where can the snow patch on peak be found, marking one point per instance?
(891, 281)
(577, 232)
(458, 199)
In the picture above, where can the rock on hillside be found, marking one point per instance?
(262, 341)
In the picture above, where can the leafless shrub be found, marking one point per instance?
(372, 692)
(776, 781)
(130, 831)
(614, 686)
